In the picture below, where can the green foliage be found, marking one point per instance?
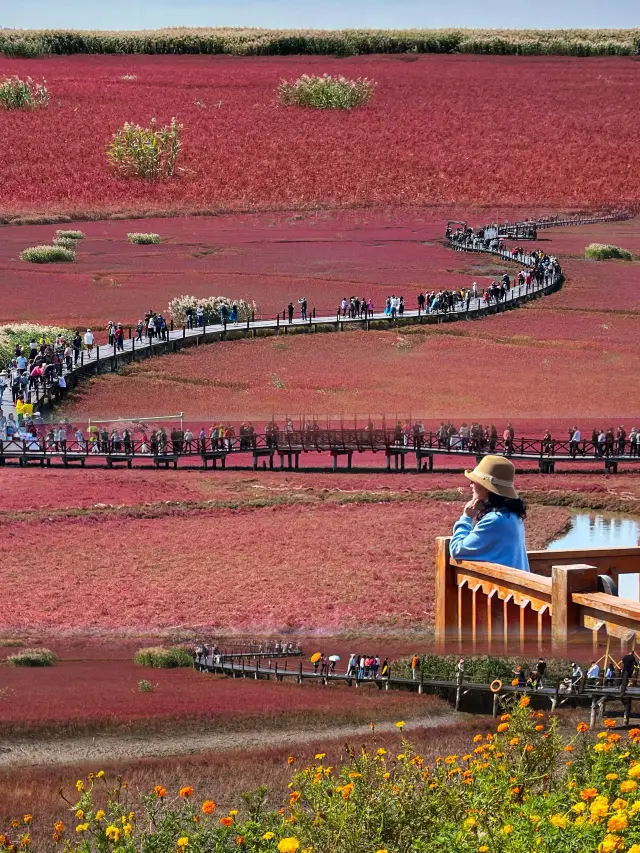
(145, 686)
(22, 333)
(483, 668)
(47, 255)
(161, 657)
(144, 239)
(211, 306)
(70, 235)
(604, 252)
(18, 94)
(258, 42)
(33, 657)
(65, 242)
(518, 788)
(22, 48)
(326, 92)
(145, 152)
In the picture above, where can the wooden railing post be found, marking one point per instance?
(446, 594)
(564, 613)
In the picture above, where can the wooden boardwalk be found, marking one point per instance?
(320, 447)
(594, 698)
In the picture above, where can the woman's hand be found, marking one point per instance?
(474, 507)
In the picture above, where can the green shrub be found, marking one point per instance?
(145, 152)
(22, 333)
(144, 239)
(47, 255)
(326, 92)
(70, 235)
(65, 242)
(482, 668)
(22, 48)
(18, 94)
(145, 686)
(211, 305)
(161, 657)
(604, 252)
(33, 657)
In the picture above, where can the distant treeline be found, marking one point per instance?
(258, 42)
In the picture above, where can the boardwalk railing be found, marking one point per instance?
(289, 445)
(560, 601)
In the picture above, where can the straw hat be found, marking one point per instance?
(496, 474)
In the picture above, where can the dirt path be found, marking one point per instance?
(102, 748)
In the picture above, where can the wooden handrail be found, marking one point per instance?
(506, 575)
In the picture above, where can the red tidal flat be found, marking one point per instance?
(440, 129)
(323, 569)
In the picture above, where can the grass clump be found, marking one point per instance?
(145, 152)
(70, 235)
(22, 48)
(47, 255)
(9, 643)
(144, 239)
(33, 657)
(326, 92)
(19, 94)
(145, 686)
(65, 242)
(161, 657)
(605, 252)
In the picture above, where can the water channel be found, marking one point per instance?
(603, 530)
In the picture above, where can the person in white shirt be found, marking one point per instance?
(88, 340)
(593, 673)
(574, 443)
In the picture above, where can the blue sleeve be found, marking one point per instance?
(473, 543)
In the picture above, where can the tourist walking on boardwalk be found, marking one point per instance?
(88, 341)
(574, 442)
(629, 663)
(118, 336)
(303, 307)
(290, 310)
(491, 527)
(351, 666)
(139, 331)
(415, 667)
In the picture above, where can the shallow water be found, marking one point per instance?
(598, 530)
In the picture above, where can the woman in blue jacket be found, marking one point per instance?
(491, 528)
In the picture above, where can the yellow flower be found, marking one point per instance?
(601, 747)
(483, 849)
(268, 836)
(99, 815)
(288, 845)
(470, 822)
(579, 808)
(628, 786)
(619, 805)
(634, 772)
(182, 842)
(558, 820)
(100, 774)
(400, 724)
(381, 752)
(127, 828)
(82, 827)
(507, 829)
(450, 759)
(112, 832)
(320, 756)
(610, 843)
(611, 777)
(80, 785)
(635, 848)
(233, 812)
(27, 819)
(599, 808)
(382, 851)
(79, 814)
(617, 823)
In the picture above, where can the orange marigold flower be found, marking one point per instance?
(589, 793)
(477, 738)
(186, 792)
(159, 791)
(524, 701)
(514, 741)
(503, 727)
(539, 728)
(628, 786)
(568, 747)
(291, 759)
(609, 724)
(208, 807)
(617, 823)
(239, 839)
(226, 821)
(582, 728)
(611, 777)
(58, 826)
(505, 717)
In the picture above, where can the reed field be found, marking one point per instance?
(249, 41)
